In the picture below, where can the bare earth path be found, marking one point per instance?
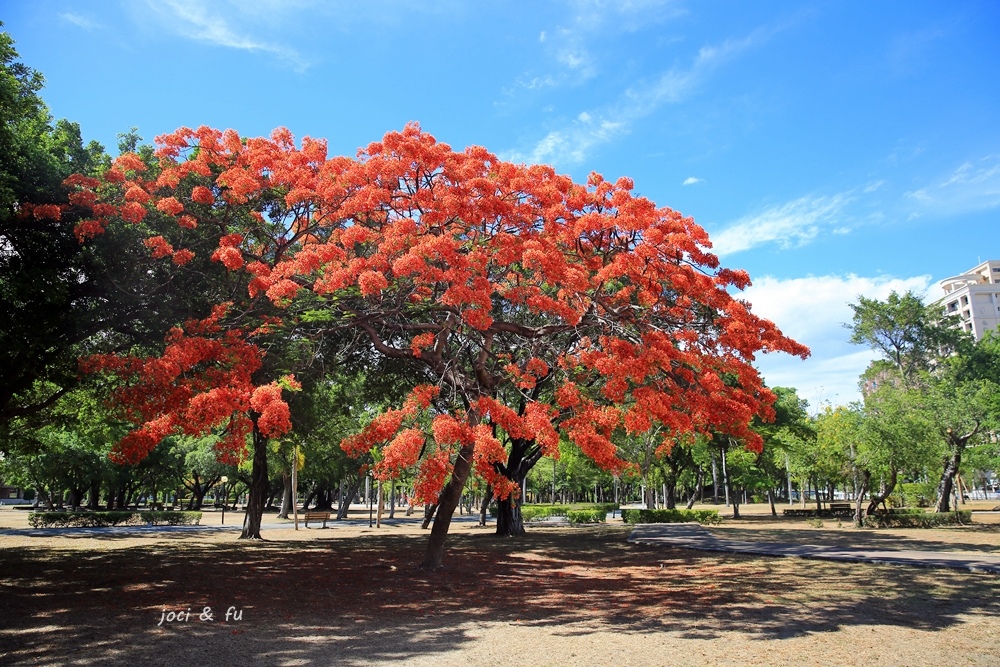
(351, 595)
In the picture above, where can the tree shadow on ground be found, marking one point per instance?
(362, 599)
(868, 538)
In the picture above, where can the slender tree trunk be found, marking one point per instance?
(886, 488)
(352, 491)
(770, 500)
(715, 482)
(258, 486)
(381, 505)
(699, 488)
(286, 495)
(956, 446)
(429, 511)
(861, 487)
(484, 508)
(725, 476)
(447, 502)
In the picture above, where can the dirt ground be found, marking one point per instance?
(352, 595)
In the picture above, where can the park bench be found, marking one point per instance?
(315, 516)
(839, 508)
(798, 512)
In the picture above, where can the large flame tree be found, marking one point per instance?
(533, 305)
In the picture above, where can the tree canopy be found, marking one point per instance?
(492, 278)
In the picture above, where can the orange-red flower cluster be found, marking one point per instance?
(588, 307)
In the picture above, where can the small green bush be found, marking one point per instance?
(605, 507)
(160, 518)
(82, 519)
(918, 519)
(537, 512)
(112, 518)
(587, 516)
(918, 494)
(671, 516)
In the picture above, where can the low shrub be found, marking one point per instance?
(671, 516)
(160, 518)
(82, 519)
(918, 494)
(918, 520)
(111, 518)
(536, 512)
(596, 515)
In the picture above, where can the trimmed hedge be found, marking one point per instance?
(919, 520)
(112, 518)
(671, 516)
(596, 515)
(160, 518)
(535, 512)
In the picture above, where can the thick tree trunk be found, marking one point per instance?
(95, 494)
(258, 487)
(447, 502)
(669, 491)
(509, 521)
(947, 481)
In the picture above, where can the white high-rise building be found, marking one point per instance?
(974, 297)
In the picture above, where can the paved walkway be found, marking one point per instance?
(694, 536)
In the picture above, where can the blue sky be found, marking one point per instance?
(830, 148)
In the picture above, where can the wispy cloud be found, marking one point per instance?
(571, 143)
(813, 310)
(206, 22)
(691, 180)
(789, 225)
(569, 48)
(972, 186)
(81, 21)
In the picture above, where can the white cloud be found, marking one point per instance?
(789, 225)
(872, 187)
(972, 186)
(212, 23)
(813, 310)
(81, 21)
(571, 144)
(691, 180)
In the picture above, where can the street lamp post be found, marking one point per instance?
(225, 497)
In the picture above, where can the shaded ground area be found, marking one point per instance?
(560, 595)
(693, 536)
